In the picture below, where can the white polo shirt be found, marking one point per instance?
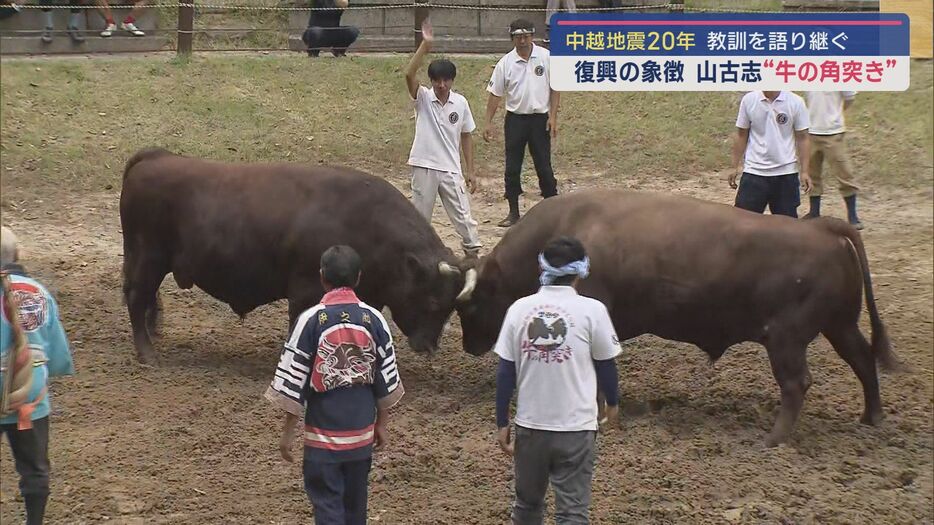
(525, 83)
(825, 109)
(438, 129)
(553, 338)
(772, 125)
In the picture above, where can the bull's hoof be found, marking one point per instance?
(775, 439)
(148, 359)
(871, 418)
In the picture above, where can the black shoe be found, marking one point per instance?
(508, 221)
(809, 215)
(75, 34)
(858, 225)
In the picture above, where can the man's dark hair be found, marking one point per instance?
(521, 23)
(561, 251)
(442, 69)
(340, 266)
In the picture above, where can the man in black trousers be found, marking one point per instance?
(325, 29)
(522, 77)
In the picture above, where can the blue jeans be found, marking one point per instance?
(781, 193)
(338, 491)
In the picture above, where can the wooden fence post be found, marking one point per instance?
(421, 13)
(186, 24)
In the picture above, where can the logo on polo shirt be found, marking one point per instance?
(546, 336)
(539, 70)
(453, 118)
(781, 118)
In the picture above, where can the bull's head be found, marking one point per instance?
(428, 296)
(482, 305)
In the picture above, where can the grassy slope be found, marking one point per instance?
(75, 122)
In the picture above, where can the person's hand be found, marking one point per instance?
(285, 444)
(734, 174)
(611, 417)
(381, 438)
(428, 34)
(488, 133)
(806, 182)
(340, 3)
(502, 437)
(552, 126)
(471, 181)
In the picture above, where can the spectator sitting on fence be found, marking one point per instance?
(324, 29)
(73, 20)
(128, 23)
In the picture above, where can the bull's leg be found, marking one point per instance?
(154, 317)
(144, 281)
(790, 368)
(855, 350)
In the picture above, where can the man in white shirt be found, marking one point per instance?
(522, 77)
(826, 109)
(557, 347)
(771, 141)
(443, 124)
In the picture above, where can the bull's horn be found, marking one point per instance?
(470, 282)
(447, 269)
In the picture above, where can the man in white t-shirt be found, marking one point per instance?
(557, 347)
(522, 77)
(771, 142)
(827, 130)
(443, 124)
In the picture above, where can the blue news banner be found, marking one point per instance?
(729, 52)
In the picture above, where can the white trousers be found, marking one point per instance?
(429, 184)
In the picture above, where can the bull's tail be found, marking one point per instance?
(881, 346)
(128, 249)
(143, 154)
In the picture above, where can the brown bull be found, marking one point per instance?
(249, 234)
(703, 273)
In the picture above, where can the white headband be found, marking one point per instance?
(515, 32)
(549, 273)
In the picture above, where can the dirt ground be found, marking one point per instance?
(191, 441)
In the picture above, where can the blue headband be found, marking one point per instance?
(550, 273)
